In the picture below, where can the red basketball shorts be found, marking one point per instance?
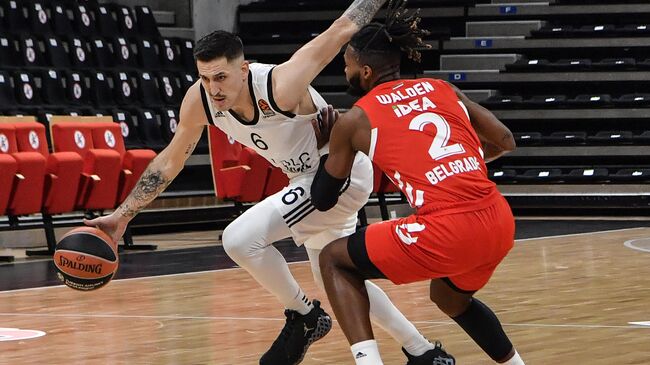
(463, 244)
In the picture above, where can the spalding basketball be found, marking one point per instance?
(86, 258)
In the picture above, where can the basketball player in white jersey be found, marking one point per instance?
(270, 109)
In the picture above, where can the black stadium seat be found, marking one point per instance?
(100, 89)
(540, 176)
(587, 175)
(615, 64)
(591, 100)
(566, 138)
(129, 130)
(149, 129)
(640, 175)
(124, 89)
(546, 101)
(528, 138)
(106, 23)
(124, 55)
(55, 53)
(528, 65)
(170, 88)
(61, 24)
(126, 21)
(9, 55)
(7, 98)
(83, 20)
(39, 21)
(76, 88)
(80, 54)
(148, 90)
(147, 55)
(635, 100)
(25, 87)
(102, 53)
(30, 50)
(168, 123)
(53, 88)
(611, 137)
(146, 22)
(502, 175)
(503, 102)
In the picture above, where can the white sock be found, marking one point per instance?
(515, 360)
(300, 303)
(384, 313)
(366, 353)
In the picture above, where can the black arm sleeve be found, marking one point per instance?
(325, 188)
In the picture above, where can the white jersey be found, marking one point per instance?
(286, 140)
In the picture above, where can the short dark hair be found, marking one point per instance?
(218, 44)
(378, 44)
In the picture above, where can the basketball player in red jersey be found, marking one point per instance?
(433, 142)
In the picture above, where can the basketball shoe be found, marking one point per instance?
(299, 332)
(435, 356)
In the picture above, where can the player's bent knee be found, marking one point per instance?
(233, 243)
(331, 257)
(452, 306)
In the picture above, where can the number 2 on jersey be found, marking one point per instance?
(439, 148)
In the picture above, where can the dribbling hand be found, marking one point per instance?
(112, 224)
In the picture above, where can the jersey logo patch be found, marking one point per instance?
(219, 115)
(265, 108)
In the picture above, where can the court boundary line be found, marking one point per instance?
(303, 261)
(267, 319)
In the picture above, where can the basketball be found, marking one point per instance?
(85, 258)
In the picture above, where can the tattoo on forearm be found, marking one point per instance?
(361, 12)
(150, 185)
(190, 148)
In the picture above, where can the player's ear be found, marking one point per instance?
(245, 69)
(366, 73)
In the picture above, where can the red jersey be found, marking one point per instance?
(422, 138)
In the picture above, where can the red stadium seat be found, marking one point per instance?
(63, 169)
(101, 170)
(27, 192)
(277, 181)
(9, 167)
(108, 135)
(238, 172)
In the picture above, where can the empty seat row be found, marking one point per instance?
(564, 101)
(81, 52)
(89, 170)
(580, 175)
(56, 88)
(592, 31)
(61, 18)
(578, 64)
(581, 137)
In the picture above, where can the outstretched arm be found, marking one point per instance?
(496, 138)
(291, 78)
(162, 170)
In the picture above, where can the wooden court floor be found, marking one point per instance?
(563, 300)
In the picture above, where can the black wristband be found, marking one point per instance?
(325, 188)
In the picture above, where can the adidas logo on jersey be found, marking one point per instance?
(359, 355)
(219, 115)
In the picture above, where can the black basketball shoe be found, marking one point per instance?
(436, 356)
(299, 332)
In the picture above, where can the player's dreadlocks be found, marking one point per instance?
(400, 33)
